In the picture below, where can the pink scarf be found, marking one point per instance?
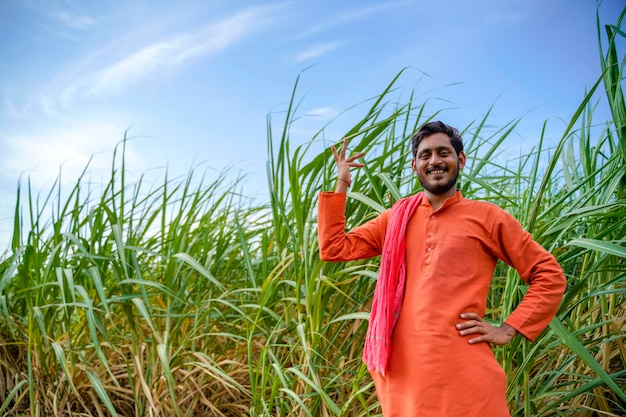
(389, 290)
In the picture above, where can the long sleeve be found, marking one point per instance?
(539, 269)
(364, 241)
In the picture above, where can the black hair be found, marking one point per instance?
(437, 127)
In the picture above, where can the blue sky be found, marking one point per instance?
(193, 81)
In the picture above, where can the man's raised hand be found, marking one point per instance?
(344, 178)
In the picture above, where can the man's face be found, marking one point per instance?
(436, 164)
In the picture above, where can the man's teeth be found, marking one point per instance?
(437, 171)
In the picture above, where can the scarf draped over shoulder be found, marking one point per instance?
(389, 290)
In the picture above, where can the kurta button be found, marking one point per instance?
(431, 234)
(433, 216)
(429, 249)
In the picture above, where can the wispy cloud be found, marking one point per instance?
(74, 21)
(11, 109)
(325, 113)
(351, 15)
(317, 50)
(133, 68)
(168, 55)
(60, 13)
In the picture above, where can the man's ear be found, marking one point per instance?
(462, 159)
(413, 167)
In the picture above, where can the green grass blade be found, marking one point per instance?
(574, 344)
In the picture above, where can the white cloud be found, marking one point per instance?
(171, 54)
(59, 13)
(131, 69)
(317, 50)
(352, 15)
(325, 113)
(132, 58)
(74, 21)
(11, 109)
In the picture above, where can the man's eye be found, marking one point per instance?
(424, 156)
(444, 153)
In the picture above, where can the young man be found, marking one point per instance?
(428, 347)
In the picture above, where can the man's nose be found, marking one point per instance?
(435, 159)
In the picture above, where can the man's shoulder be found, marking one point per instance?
(480, 203)
(483, 206)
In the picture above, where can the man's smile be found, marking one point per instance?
(437, 171)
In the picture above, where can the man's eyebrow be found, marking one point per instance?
(439, 148)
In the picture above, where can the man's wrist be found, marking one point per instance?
(509, 330)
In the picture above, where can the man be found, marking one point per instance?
(428, 347)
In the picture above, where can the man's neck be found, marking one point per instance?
(437, 200)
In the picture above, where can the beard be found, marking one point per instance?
(439, 188)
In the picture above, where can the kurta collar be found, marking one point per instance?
(458, 196)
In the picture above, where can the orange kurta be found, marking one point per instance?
(451, 254)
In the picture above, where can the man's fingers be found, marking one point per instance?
(355, 156)
(483, 331)
(468, 324)
(474, 324)
(343, 148)
(471, 316)
(335, 155)
(479, 339)
(472, 330)
(472, 327)
(340, 157)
